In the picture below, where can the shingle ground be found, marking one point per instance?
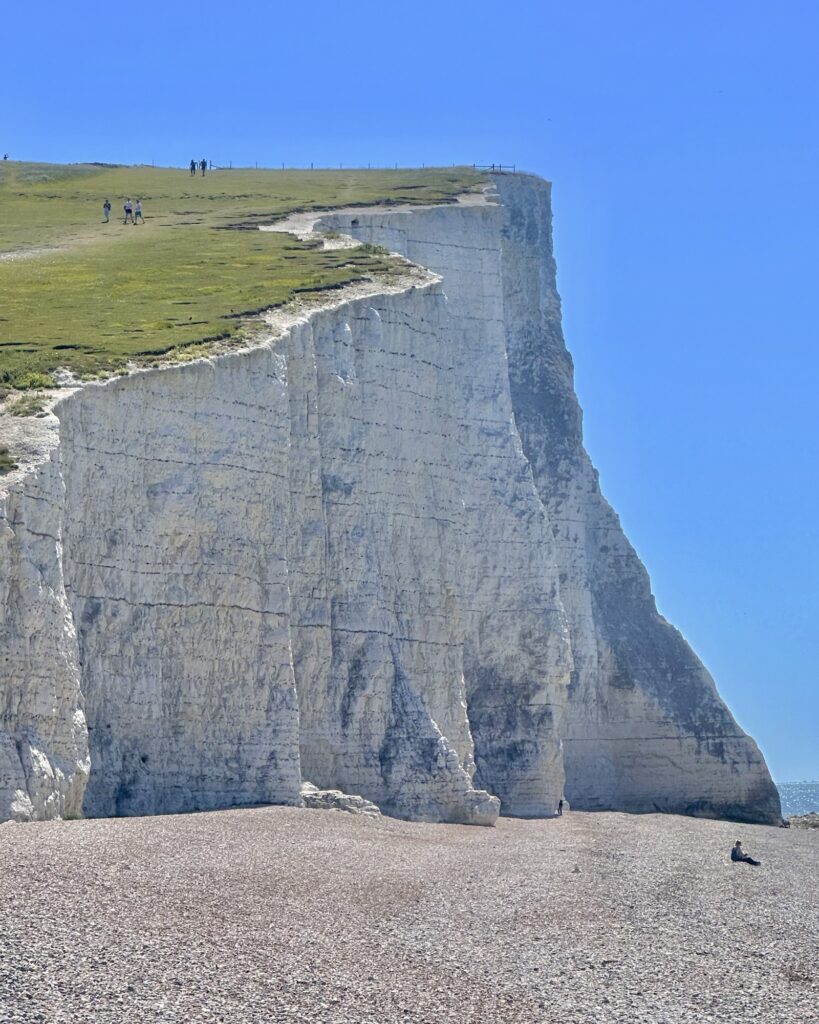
(280, 914)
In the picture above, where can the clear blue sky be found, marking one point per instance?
(682, 142)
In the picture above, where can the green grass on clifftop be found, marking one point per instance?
(89, 296)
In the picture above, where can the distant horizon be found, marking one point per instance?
(489, 168)
(681, 150)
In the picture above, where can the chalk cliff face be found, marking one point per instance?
(646, 729)
(177, 578)
(370, 552)
(43, 737)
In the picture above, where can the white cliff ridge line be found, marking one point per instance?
(350, 553)
(32, 438)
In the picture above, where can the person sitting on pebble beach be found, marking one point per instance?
(737, 854)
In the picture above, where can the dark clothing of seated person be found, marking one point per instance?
(738, 855)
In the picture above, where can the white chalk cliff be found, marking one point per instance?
(370, 552)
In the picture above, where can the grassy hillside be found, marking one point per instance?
(91, 296)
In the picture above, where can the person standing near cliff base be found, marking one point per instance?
(560, 808)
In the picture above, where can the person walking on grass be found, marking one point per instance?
(737, 854)
(106, 211)
(193, 168)
(202, 165)
(129, 212)
(138, 212)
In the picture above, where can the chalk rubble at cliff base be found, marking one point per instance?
(370, 552)
(334, 800)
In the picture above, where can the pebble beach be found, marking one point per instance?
(281, 914)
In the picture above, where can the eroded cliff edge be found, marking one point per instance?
(370, 552)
